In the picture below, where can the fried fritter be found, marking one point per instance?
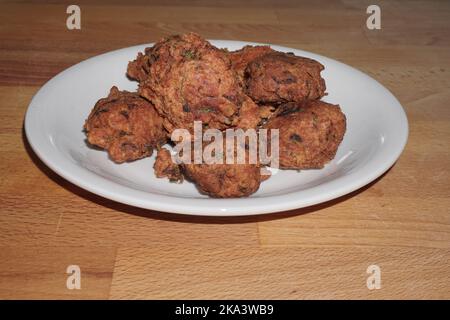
(249, 115)
(166, 168)
(309, 133)
(278, 77)
(219, 179)
(139, 68)
(225, 180)
(241, 58)
(125, 125)
(191, 80)
(184, 78)
(166, 52)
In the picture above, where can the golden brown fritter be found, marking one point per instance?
(125, 125)
(309, 133)
(225, 180)
(166, 168)
(222, 180)
(249, 115)
(184, 78)
(241, 58)
(166, 52)
(139, 68)
(188, 80)
(278, 77)
(219, 180)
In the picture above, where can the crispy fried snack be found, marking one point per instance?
(248, 116)
(184, 78)
(225, 180)
(166, 168)
(309, 133)
(165, 53)
(188, 80)
(219, 180)
(278, 77)
(125, 125)
(139, 68)
(241, 58)
(222, 180)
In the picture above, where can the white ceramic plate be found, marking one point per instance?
(377, 131)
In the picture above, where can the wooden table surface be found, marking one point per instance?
(400, 222)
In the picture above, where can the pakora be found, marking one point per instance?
(278, 77)
(309, 133)
(125, 125)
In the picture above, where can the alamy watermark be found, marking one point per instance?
(374, 279)
(74, 19)
(373, 22)
(74, 279)
(234, 146)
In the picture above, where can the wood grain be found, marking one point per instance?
(400, 222)
(276, 273)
